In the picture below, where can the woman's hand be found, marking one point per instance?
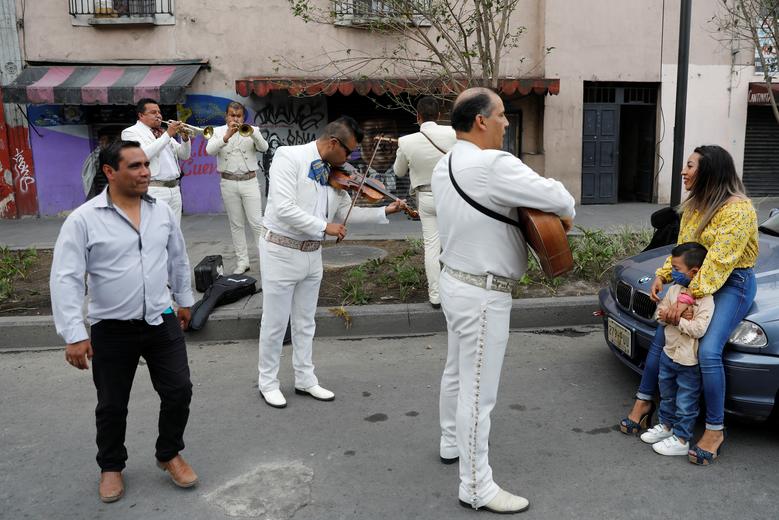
(657, 286)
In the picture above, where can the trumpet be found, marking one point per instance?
(245, 130)
(190, 129)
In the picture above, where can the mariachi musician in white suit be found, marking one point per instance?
(163, 151)
(302, 209)
(482, 258)
(236, 161)
(419, 153)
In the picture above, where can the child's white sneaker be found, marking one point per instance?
(671, 446)
(656, 434)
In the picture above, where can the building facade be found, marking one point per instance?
(589, 91)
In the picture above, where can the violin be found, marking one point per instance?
(370, 189)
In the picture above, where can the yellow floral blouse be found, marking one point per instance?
(730, 237)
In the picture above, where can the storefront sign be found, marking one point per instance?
(759, 95)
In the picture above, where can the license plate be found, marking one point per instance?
(620, 337)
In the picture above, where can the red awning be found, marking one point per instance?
(262, 86)
(758, 93)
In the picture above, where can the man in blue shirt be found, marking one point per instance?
(129, 247)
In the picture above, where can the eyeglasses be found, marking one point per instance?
(346, 148)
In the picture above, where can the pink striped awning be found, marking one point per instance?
(100, 84)
(261, 86)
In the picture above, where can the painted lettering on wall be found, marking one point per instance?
(22, 171)
(199, 162)
(24, 177)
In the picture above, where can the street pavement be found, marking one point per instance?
(373, 452)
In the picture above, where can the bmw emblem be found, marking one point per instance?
(644, 279)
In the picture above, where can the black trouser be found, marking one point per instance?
(117, 347)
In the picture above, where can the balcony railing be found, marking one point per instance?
(121, 8)
(367, 12)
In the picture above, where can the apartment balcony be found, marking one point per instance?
(374, 13)
(122, 12)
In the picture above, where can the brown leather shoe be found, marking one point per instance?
(111, 486)
(181, 473)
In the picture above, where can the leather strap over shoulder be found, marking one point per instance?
(433, 142)
(476, 205)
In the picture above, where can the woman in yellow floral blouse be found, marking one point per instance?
(717, 214)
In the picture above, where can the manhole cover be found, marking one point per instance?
(345, 256)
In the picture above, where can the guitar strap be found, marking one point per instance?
(433, 143)
(476, 205)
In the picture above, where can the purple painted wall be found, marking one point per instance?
(58, 157)
(200, 185)
(60, 150)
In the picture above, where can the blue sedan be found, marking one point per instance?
(751, 356)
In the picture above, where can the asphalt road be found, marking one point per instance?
(372, 453)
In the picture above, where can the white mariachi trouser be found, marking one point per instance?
(172, 196)
(239, 198)
(477, 322)
(290, 289)
(427, 215)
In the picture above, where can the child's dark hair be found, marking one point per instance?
(692, 254)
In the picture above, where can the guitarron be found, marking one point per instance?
(546, 237)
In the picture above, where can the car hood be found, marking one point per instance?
(639, 271)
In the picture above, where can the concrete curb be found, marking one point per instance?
(27, 332)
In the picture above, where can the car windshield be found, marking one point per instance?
(771, 225)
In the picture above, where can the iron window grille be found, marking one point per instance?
(121, 8)
(366, 13)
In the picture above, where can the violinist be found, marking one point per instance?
(302, 209)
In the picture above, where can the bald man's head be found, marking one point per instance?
(470, 103)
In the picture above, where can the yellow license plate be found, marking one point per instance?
(620, 337)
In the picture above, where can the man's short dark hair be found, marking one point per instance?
(140, 107)
(343, 128)
(111, 154)
(692, 254)
(465, 111)
(428, 108)
(235, 106)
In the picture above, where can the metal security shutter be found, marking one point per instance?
(761, 153)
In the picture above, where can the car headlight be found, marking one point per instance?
(748, 334)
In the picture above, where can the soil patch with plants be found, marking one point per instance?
(397, 278)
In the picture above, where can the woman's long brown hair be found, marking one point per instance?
(715, 182)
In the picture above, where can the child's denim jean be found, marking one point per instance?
(680, 391)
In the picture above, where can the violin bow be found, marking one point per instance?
(378, 138)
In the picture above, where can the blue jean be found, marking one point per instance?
(680, 391)
(731, 305)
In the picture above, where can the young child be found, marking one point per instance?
(680, 375)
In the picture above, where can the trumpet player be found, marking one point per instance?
(163, 151)
(235, 146)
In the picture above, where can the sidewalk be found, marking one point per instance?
(212, 231)
(210, 235)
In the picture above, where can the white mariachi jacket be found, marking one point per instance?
(153, 146)
(292, 197)
(239, 154)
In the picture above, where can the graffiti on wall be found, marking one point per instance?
(22, 172)
(7, 199)
(24, 176)
(49, 174)
(289, 121)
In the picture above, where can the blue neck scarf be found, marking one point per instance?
(319, 171)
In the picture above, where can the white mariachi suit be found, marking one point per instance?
(298, 208)
(238, 157)
(164, 153)
(418, 154)
(477, 317)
